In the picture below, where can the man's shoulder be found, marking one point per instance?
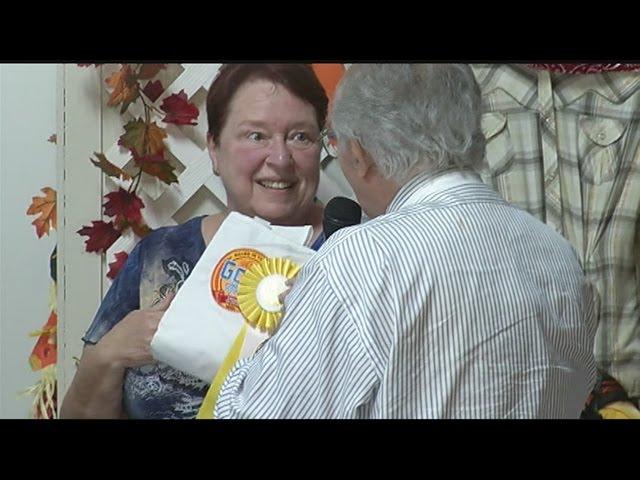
(365, 242)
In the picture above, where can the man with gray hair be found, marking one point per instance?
(449, 303)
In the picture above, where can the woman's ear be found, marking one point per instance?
(211, 147)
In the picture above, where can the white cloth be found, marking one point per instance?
(196, 332)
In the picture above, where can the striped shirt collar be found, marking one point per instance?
(427, 185)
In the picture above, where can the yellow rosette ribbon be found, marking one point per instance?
(259, 289)
(258, 292)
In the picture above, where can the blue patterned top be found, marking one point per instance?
(160, 263)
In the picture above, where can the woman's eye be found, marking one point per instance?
(255, 136)
(301, 137)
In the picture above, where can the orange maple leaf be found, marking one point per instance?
(109, 168)
(46, 207)
(155, 136)
(125, 87)
(45, 351)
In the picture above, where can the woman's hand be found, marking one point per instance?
(128, 344)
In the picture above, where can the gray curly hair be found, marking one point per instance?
(411, 117)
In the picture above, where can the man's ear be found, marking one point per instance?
(362, 162)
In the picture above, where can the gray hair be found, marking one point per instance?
(411, 117)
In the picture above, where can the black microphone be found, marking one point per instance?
(340, 212)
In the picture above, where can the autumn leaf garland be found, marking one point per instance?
(144, 139)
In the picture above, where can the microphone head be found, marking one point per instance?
(340, 212)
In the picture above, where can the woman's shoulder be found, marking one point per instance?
(183, 236)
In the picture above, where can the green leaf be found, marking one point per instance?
(143, 139)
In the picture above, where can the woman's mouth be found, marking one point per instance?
(275, 185)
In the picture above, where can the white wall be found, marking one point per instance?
(27, 163)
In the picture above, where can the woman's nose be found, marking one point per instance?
(280, 154)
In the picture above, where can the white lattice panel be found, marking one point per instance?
(165, 203)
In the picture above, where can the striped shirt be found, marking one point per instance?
(453, 304)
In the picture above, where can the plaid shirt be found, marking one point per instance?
(566, 148)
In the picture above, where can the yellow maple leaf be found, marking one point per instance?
(125, 87)
(155, 136)
(46, 208)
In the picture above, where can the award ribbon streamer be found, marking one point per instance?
(209, 402)
(258, 292)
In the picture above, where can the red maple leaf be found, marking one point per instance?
(124, 206)
(115, 267)
(153, 90)
(101, 236)
(179, 110)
